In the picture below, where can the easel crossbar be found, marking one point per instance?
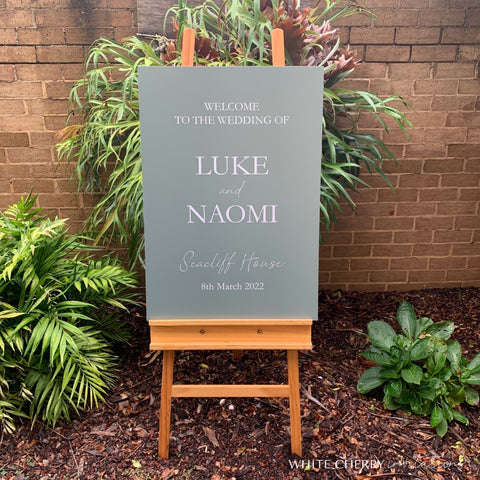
(223, 391)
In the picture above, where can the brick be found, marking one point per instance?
(14, 139)
(353, 224)
(408, 263)
(387, 276)
(468, 53)
(434, 53)
(86, 36)
(15, 18)
(438, 194)
(425, 150)
(461, 35)
(441, 17)
(415, 209)
(21, 123)
(369, 70)
(11, 107)
(338, 238)
(342, 251)
(60, 54)
(38, 72)
(329, 264)
(397, 18)
(454, 102)
(392, 251)
(461, 180)
(122, 4)
(29, 155)
(426, 276)
(464, 222)
(428, 119)
(387, 53)
(452, 236)
(58, 89)
(454, 70)
(367, 238)
(465, 276)
(409, 195)
(409, 70)
(419, 181)
(394, 223)
(39, 185)
(48, 106)
(372, 35)
(17, 90)
(414, 237)
(464, 119)
(369, 264)
(20, 54)
(41, 36)
(463, 150)
(473, 165)
(444, 165)
(381, 209)
(431, 250)
(456, 208)
(434, 223)
(470, 86)
(8, 36)
(473, 17)
(54, 122)
(417, 36)
(347, 277)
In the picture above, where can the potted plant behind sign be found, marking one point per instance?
(104, 140)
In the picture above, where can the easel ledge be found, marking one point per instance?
(231, 334)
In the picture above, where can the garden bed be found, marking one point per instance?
(345, 435)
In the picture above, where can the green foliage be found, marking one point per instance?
(103, 135)
(57, 318)
(421, 369)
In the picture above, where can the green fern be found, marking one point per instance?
(56, 329)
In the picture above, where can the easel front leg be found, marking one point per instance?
(295, 418)
(166, 403)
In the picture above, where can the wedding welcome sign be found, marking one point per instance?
(231, 178)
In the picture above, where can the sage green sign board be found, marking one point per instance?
(231, 179)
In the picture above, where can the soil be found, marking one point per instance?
(345, 435)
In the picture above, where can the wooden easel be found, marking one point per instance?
(230, 334)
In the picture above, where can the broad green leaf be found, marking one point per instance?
(460, 417)
(454, 353)
(370, 379)
(378, 356)
(442, 428)
(407, 319)
(394, 387)
(412, 374)
(441, 330)
(436, 416)
(421, 349)
(474, 364)
(471, 396)
(381, 335)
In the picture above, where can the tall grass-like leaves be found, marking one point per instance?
(103, 138)
(58, 309)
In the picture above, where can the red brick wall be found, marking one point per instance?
(42, 50)
(426, 234)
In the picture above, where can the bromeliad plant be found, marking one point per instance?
(104, 140)
(421, 370)
(58, 318)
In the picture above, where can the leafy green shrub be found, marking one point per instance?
(57, 318)
(421, 369)
(103, 131)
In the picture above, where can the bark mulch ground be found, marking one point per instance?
(345, 435)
